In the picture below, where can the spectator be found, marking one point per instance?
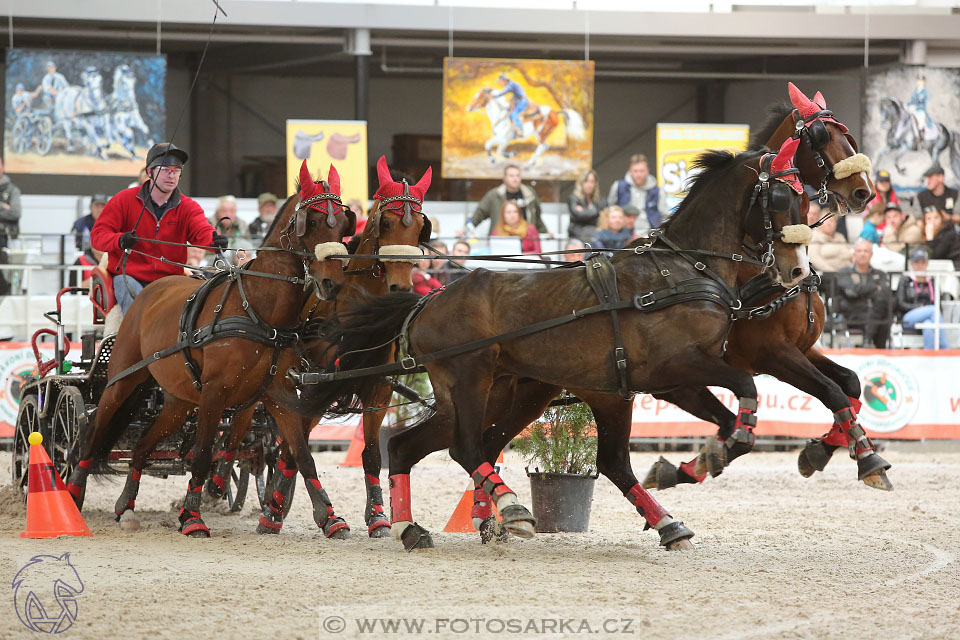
(639, 188)
(511, 223)
(89, 258)
(612, 233)
(572, 245)
(141, 178)
(423, 282)
(829, 250)
(864, 296)
(630, 215)
(938, 195)
(915, 299)
(873, 225)
(199, 258)
(513, 190)
(942, 240)
(224, 220)
(439, 267)
(267, 205)
(82, 226)
(899, 229)
(885, 192)
(357, 207)
(585, 205)
(9, 208)
(461, 249)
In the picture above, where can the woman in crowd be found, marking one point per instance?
(885, 193)
(357, 207)
(942, 240)
(585, 205)
(423, 280)
(900, 229)
(829, 250)
(512, 224)
(915, 299)
(613, 234)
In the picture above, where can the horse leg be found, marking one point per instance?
(167, 423)
(701, 403)
(117, 403)
(845, 431)
(208, 421)
(278, 493)
(239, 428)
(377, 524)
(612, 414)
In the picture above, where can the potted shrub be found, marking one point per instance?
(563, 446)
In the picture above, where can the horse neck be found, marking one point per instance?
(277, 302)
(782, 134)
(494, 109)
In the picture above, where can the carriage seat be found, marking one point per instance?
(105, 309)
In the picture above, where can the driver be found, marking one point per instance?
(158, 210)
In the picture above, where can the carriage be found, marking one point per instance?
(60, 402)
(33, 129)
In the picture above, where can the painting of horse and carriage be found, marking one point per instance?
(82, 112)
(912, 122)
(534, 113)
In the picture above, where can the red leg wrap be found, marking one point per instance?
(689, 468)
(282, 468)
(856, 404)
(373, 480)
(837, 436)
(482, 506)
(85, 464)
(648, 507)
(74, 490)
(220, 481)
(276, 526)
(487, 477)
(400, 498)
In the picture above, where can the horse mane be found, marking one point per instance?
(776, 112)
(713, 165)
(277, 217)
(354, 243)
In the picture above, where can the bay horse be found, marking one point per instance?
(903, 136)
(539, 121)
(396, 228)
(674, 343)
(225, 370)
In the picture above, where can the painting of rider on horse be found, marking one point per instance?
(535, 113)
(82, 112)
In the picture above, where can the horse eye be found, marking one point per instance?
(386, 224)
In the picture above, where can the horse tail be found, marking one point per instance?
(365, 333)
(118, 424)
(574, 123)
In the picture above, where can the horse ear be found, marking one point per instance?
(424, 182)
(306, 180)
(333, 178)
(819, 99)
(383, 173)
(800, 101)
(784, 159)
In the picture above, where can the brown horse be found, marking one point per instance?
(782, 345)
(232, 370)
(396, 228)
(671, 344)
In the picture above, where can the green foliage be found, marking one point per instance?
(564, 440)
(419, 382)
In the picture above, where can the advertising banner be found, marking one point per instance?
(82, 112)
(342, 143)
(534, 113)
(679, 144)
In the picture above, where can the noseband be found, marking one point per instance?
(813, 131)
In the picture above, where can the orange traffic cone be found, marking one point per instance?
(353, 458)
(460, 521)
(51, 511)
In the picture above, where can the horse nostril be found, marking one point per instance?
(796, 273)
(862, 195)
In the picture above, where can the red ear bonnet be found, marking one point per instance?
(333, 179)
(307, 188)
(784, 161)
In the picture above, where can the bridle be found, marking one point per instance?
(813, 131)
(774, 195)
(326, 202)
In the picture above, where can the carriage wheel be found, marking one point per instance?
(21, 135)
(69, 421)
(241, 482)
(28, 421)
(44, 136)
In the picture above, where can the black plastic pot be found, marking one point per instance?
(561, 501)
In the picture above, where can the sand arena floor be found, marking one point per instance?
(777, 556)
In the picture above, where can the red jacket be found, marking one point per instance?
(183, 222)
(424, 283)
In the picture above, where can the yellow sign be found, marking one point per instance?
(679, 144)
(342, 143)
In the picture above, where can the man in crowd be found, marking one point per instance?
(512, 189)
(939, 195)
(829, 251)
(82, 226)
(639, 189)
(865, 299)
(225, 221)
(900, 229)
(9, 221)
(267, 204)
(572, 245)
(155, 210)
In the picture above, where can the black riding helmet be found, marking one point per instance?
(167, 155)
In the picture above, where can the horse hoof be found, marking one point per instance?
(339, 534)
(416, 538)
(129, 521)
(714, 456)
(199, 533)
(518, 520)
(379, 529)
(662, 475)
(814, 457)
(491, 530)
(701, 467)
(266, 526)
(336, 529)
(681, 545)
(878, 480)
(674, 533)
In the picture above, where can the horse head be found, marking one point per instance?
(828, 158)
(481, 99)
(319, 221)
(93, 87)
(399, 225)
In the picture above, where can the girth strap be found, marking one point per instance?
(602, 278)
